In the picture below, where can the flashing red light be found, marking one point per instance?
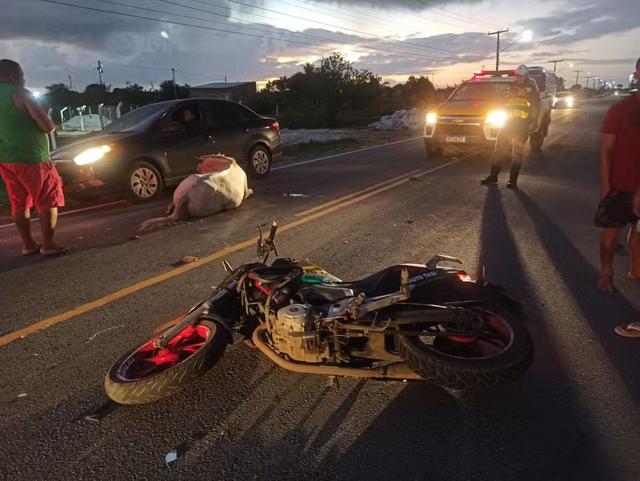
(464, 277)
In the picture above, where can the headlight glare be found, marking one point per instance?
(432, 118)
(497, 118)
(91, 155)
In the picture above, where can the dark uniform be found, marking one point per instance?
(523, 103)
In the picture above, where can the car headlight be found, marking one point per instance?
(432, 118)
(91, 155)
(497, 118)
(570, 101)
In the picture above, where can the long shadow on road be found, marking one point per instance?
(536, 429)
(580, 278)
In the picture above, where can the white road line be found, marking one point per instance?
(75, 211)
(288, 166)
(304, 162)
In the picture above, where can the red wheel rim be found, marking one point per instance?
(495, 338)
(149, 359)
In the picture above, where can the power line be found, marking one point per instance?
(555, 63)
(470, 19)
(330, 25)
(259, 29)
(497, 33)
(202, 27)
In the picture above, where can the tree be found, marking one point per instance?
(59, 96)
(96, 94)
(166, 90)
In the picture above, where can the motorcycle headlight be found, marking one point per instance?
(497, 118)
(432, 118)
(91, 155)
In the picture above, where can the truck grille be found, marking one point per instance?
(459, 129)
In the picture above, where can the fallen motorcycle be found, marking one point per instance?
(411, 321)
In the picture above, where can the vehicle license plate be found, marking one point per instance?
(456, 139)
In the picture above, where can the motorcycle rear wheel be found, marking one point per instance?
(474, 363)
(147, 373)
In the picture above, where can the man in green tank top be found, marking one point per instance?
(25, 164)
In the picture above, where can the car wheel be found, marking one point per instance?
(434, 152)
(144, 182)
(259, 161)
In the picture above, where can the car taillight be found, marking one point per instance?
(276, 125)
(464, 277)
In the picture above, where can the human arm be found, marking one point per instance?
(23, 99)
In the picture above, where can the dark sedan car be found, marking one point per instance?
(159, 145)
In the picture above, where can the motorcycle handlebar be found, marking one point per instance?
(274, 228)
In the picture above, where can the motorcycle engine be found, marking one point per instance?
(294, 334)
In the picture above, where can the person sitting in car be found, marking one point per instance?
(190, 121)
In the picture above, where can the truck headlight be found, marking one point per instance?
(91, 155)
(497, 118)
(432, 118)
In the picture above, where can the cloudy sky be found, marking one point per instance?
(208, 40)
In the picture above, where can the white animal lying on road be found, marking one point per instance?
(223, 187)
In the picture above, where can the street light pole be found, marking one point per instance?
(497, 34)
(100, 70)
(555, 63)
(577, 75)
(175, 90)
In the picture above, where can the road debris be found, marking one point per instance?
(98, 413)
(134, 237)
(93, 336)
(22, 394)
(170, 458)
(302, 196)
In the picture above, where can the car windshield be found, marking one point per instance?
(480, 91)
(135, 119)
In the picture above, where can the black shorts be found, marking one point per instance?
(615, 210)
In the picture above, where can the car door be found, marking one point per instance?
(227, 129)
(183, 142)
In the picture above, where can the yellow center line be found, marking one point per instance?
(152, 281)
(355, 194)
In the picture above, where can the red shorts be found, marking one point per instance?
(32, 185)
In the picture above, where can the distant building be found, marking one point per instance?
(241, 92)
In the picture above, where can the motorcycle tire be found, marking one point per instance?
(124, 388)
(469, 374)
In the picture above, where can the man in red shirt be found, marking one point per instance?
(620, 185)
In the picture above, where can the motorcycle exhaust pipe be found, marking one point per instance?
(393, 371)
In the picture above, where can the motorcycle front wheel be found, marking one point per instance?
(498, 355)
(148, 373)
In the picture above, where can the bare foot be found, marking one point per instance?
(605, 283)
(30, 250)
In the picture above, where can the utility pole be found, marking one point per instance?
(175, 90)
(587, 78)
(577, 75)
(555, 63)
(70, 83)
(100, 70)
(497, 34)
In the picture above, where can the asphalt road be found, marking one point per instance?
(574, 416)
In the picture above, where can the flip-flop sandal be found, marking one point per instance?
(58, 252)
(630, 330)
(30, 252)
(608, 288)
